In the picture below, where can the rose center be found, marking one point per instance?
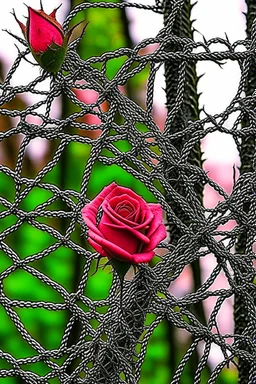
(125, 210)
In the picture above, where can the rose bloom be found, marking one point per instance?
(129, 228)
(46, 38)
(43, 30)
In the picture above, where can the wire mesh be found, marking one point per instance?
(115, 349)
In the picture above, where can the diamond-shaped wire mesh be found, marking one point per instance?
(114, 350)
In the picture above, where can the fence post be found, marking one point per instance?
(182, 105)
(246, 153)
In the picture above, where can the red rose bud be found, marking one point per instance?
(46, 39)
(128, 230)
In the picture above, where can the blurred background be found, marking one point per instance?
(217, 87)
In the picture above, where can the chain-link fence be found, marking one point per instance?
(105, 341)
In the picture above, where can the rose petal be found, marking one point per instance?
(121, 238)
(145, 213)
(90, 218)
(126, 210)
(115, 201)
(98, 248)
(159, 235)
(158, 217)
(111, 249)
(119, 191)
(90, 211)
(144, 257)
(146, 216)
(42, 32)
(115, 232)
(117, 219)
(157, 231)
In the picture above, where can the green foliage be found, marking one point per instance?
(155, 369)
(51, 60)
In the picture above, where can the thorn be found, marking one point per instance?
(41, 5)
(30, 62)
(97, 266)
(22, 26)
(53, 13)
(16, 37)
(17, 48)
(234, 174)
(205, 41)
(227, 38)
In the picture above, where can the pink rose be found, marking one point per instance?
(129, 228)
(43, 30)
(46, 38)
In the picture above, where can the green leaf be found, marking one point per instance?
(51, 60)
(121, 267)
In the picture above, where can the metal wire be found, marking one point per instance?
(114, 351)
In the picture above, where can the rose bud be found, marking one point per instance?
(46, 38)
(128, 230)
